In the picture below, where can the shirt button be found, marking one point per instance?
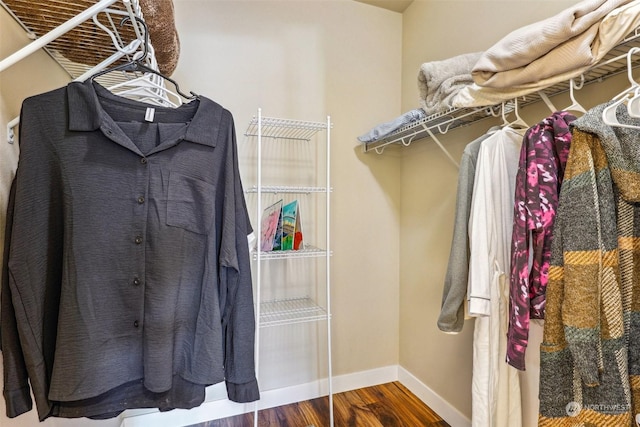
(143, 160)
(136, 281)
(136, 324)
(138, 240)
(141, 200)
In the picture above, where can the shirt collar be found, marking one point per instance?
(86, 112)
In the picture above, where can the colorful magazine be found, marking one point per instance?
(271, 218)
(277, 240)
(291, 227)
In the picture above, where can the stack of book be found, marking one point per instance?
(281, 229)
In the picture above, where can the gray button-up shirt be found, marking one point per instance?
(127, 282)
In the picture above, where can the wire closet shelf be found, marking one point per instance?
(272, 127)
(291, 311)
(613, 63)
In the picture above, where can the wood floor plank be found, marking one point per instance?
(359, 413)
(384, 405)
(315, 411)
(419, 406)
(236, 421)
(413, 409)
(282, 416)
(268, 418)
(390, 406)
(291, 416)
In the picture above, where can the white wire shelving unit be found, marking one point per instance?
(613, 63)
(299, 309)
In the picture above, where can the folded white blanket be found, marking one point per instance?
(598, 40)
(440, 81)
(546, 48)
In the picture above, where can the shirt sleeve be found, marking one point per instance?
(536, 203)
(17, 393)
(518, 332)
(588, 252)
(33, 268)
(451, 318)
(481, 240)
(238, 318)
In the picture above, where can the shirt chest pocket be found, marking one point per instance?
(190, 203)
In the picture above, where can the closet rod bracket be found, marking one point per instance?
(10, 134)
(442, 147)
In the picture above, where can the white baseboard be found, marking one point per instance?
(364, 379)
(433, 400)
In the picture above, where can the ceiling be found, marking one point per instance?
(394, 5)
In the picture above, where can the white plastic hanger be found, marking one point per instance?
(147, 88)
(609, 116)
(518, 123)
(117, 42)
(633, 105)
(547, 101)
(575, 105)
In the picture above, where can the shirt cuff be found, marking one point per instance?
(243, 393)
(585, 347)
(479, 307)
(18, 401)
(516, 352)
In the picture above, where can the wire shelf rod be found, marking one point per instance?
(287, 189)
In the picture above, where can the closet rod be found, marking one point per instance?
(54, 34)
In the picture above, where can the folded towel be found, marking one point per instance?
(387, 128)
(602, 37)
(439, 81)
(546, 48)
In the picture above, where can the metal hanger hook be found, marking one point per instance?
(145, 49)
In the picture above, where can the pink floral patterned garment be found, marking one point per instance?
(543, 157)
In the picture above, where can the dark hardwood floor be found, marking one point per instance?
(385, 405)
